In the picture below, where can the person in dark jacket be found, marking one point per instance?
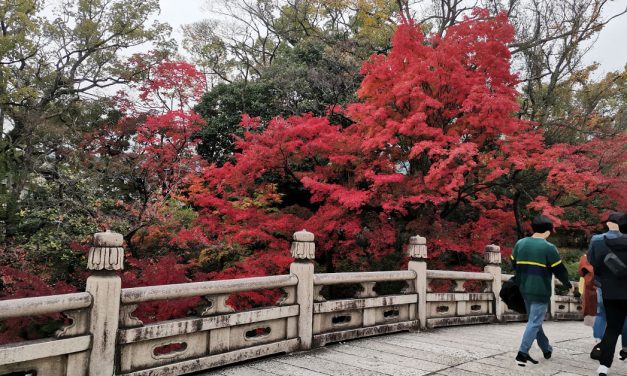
(598, 241)
(614, 290)
(535, 261)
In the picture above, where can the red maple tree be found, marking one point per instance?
(435, 149)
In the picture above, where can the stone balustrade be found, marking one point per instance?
(566, 307)
(66, 351)
(365, 313)
(103, 337)
(460, 306)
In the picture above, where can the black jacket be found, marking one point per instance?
(510, 293)
(613, 287)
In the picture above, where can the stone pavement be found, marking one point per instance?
(454, 351)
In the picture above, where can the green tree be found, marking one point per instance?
(50, 67)
(281, 58)
(245, 36)
(309, 78)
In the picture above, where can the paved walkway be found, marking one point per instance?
(456, 351)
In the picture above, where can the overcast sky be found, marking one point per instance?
(610, 50)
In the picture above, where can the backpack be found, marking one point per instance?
(614, 263)
(510, 293)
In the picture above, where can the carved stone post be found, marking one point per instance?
(418, 252)
(106, 256)
(492, 257)
(304, 252)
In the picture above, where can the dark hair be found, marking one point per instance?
(541, 224)
(622, 223)
(615, 217)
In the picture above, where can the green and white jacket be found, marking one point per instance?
(535, 260)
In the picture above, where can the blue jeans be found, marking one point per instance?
(598, 329)
(533, 331)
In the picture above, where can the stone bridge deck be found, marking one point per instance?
(455, 351)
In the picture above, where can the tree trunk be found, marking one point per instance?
(519, 231)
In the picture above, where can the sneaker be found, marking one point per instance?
(623, 354)
(602, 370)
(547, 355)
(596, 352)
(522, 359)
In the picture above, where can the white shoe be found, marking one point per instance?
(603, 370)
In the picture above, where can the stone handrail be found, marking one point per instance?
(71, 342)
(365, 313)
(562, 307)
(43, 305)
(104, 337)
(457, 275)
(185, 290)
(506, 277)
(459, 307)
(575, 284)
(356, 277)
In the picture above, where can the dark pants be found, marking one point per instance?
(616, 312)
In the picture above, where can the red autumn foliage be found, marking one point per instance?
(15, 284)
(172, 85)
(166, 123)
(154, 138)
(153, 143)
(435, 149)
(166, 270)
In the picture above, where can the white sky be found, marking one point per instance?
(610, 50)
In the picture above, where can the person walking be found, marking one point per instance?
(588, 290)
(535, 260)
(610, 266)
(596, 242)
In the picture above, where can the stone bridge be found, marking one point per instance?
(103, 337)
(477, 350)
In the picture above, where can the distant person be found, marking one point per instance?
(588, 290)
(609, 260)
(535, 260)
(598, 329)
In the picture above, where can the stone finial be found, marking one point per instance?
(303, 247)
(417, 247)
(106, 252)
(492, 254)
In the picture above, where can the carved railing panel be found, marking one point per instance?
(149, 354)
(365, 313)
(460, 306)
(67, 349)
(101, 328)
(566, 306)
(218, 328)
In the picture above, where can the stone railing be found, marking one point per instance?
(64, 354)
(562, 307)
(105, 338)
(366, 313)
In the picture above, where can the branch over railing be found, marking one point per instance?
(104, 337)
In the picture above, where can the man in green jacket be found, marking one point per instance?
(535, 261)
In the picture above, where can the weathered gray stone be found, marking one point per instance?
(104, 331)
(106, 252)
(492, 254)
(303, 246)
(417, 247)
